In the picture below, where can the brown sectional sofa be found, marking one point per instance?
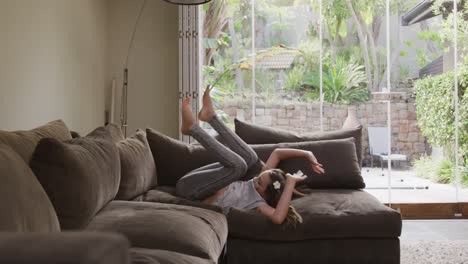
(70, 215)
(140, 220)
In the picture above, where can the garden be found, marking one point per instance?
(263, 60)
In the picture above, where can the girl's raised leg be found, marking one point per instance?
(233, 141)
(201, 183)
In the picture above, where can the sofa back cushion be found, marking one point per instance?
(138, 170)
(257, 134)
(24, 142)
(24, 205)
(80, 175)
(337, 156)
(174, 158)
(111, 131)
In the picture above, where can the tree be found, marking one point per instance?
(215, 20)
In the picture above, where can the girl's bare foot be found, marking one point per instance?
(207, 111)
(188, 119)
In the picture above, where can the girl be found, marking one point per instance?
(269, 193)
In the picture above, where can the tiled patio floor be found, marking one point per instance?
(407, 188)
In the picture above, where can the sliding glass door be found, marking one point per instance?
(396, 67)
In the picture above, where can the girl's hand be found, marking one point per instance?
(316, 166)
(296, 177)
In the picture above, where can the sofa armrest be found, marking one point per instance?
(65, 247)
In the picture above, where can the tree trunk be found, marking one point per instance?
(336, 39)
(373, 51)
(376, 24)
(327, 35)
(393, 59)
(363, 44)
(215, 21)
(235, 54)
(348, 41)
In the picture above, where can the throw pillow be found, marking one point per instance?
(24, 205)
(24, 142)
(174, 158)
(110, 131)
(138, 170)
(80, 176)
(257, 134)
(338, 157)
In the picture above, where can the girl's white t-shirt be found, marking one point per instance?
(241, 195)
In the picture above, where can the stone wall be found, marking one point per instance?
(305, 117)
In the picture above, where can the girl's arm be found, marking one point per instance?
(286, 153)
(278, 214)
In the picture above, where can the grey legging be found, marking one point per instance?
(233, 162)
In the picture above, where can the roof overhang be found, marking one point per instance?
(423, 11)
(420, 12)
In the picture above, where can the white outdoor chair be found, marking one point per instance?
(378, 146)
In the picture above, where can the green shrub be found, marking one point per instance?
(439, 170)
(293, 81)
(435, 110)
(343, 83)
(425, 167)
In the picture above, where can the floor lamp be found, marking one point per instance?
(123, 109)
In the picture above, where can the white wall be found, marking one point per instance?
(153, 64)
(53, 62)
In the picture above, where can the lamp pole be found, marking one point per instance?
(124, 98)
(124, 103)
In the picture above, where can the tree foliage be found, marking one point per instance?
(445, 8)
(435, 110)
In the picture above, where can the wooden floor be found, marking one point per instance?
(432, 210)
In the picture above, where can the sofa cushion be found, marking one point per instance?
(109, 132)
(257, 134)
(24, 142)
(157, 256)
(24, 205)
(166, 194)
(80, 175)
(326, 214)
(338, 158)
(63, 248)
(75, 134)
(115, 132)
(138, 171)
(188, 230)
(175, 158)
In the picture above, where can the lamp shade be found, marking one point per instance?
(187, 2)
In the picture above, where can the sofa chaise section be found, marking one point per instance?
(193, 231)
(341, 222)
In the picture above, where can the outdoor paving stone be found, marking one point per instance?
(408, 188)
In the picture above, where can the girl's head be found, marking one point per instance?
(270, 185)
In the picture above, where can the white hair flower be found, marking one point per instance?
(276, 185)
